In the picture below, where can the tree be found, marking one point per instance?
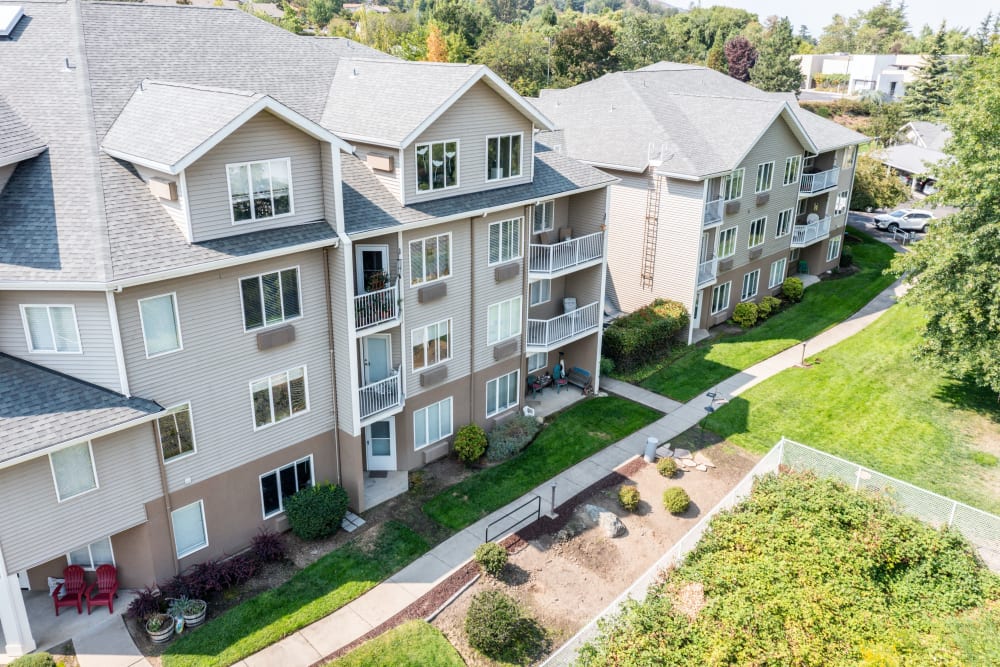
(717, 58)
(640, 40)
(775, 71)
(927, 95)
(741, 57)
(584, 51)
(437, 51)
(885, 121)
(838, 37)
(469, 20)
(875, 186)
(954, 272)
(320, 12)
(519, 54)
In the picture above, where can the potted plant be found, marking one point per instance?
(191, 610)
(160, 627)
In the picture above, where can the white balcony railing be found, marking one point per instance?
(707, 271)
(824, 180)
(379, 396)
(803, 235)
(543, 333)
(376, 307)
(713, 212)
(570, 253)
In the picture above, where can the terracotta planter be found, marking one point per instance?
(165, 632)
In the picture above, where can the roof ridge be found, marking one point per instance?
(139, 3)
(72, 378)
(195, 86)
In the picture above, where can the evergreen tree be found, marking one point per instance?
(927, 96)
(775, 71)
(741, 57)
(716, 58)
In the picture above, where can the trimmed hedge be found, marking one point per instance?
(34, 660)
(491, 557)
(316, 511)
(510, 437)
(644, 335)
(745, 314)
(768, 306)
(792, 289)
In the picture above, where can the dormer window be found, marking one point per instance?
(260, 190)
(503, 157)
(437, 166)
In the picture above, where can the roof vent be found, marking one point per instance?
(9, 16)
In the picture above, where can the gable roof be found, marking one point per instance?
(910, 158)
(17, 140)
(929, 135)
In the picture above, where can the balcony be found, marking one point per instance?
(713, 213)
(375, 308)
(707, 272)
(814, 183)
(380, 396)
(565, 328)
(803, 235)
(551, 260)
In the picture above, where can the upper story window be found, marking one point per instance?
(840, 206)
(544, 218)
(539, 291)
(503, 320)
(727, 243)
(260, 190)
(765, 175)
(757, 229)
(278, 397)
(849, 154)
(505, 241)
(732, 185)
(792, 167)
(784, 224)
(51, 329)
(73, 471)
(503, 157)
(270, 298)
(437, 165)
(430, 259)
(176, 432)
(161, 330)
(431, 344)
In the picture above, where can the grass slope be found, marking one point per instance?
(412, 644)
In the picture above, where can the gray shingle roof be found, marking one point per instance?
(930, 135)
(910, 158)
(40, 408)
(17, 140)
(826, 134)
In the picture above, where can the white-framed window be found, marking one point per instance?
(840, 206)
(833, 249)
(727, 243)
(502, 393)
(260, 190)
(437, 165)
(732, 185)
(751, 281)
(270, 298)
(720, 297)
(51, 328)
(505, 241)
(537, 361)
(431, 344)
(850, 153)
(73, 470)
(793, 167)
(503, 156)
(796, 252)
(778, 270)
(539, 291)
(190, 532)
(430, 259)
(91, 556)
(176, 432)
(278, 397)
(765, 176)
(544, 218)
(432, 424)
(503, 321)
(757, 230)
(784, 227)
(809, 162)
(803, 203)
(161, 326)
(278, 484)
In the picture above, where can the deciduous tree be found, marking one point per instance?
(740, 57)
(875, 187)
(519, 54)
(584, 51)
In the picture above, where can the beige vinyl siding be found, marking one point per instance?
(35, 527)
(97, 363)
(678, 241)
(327, 154)
(342, 304)
(219, 360)
(390, 180)
(844, 184)
(175, 209)
(478, 114)
(263, 137)
(625, 233)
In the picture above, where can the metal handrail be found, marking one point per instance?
(534, 517)
(547, 332)
(819, 181)
(805, 234)
(376, 307)
(713, 212)
(379, 396)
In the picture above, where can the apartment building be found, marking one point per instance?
(225, 278)
(723, 190)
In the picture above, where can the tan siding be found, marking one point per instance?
(625, 234)
(175, 209)
(678, 241)
(342, 297)
(389, 179)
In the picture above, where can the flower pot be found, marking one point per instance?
(195, 615)
(164, 631)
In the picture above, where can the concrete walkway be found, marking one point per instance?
(108, 645)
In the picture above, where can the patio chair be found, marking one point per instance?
(104, 592)
(70, 593)
(559, 377)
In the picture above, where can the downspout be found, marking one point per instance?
(472, 320)
(167, 505)
(526, 300)
(333, 361)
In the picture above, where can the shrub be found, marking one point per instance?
(34, 660)
(676, 500)
(316, 511)
(745, 314)
(470, 443)
(239, 569)
(792, 289)
(491, 557)
(268, 546)
(667, 467)
(628, 496)
(497, 627)
(607, 366)
(644, 335)
(146, 603)
(846, 256)
(510, 437)
(768, 306)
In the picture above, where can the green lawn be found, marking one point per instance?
(314, 592)
(412, 644)
(695, 369)
(582, 430)
(867, 400)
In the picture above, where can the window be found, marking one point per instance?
(795, 255)
(73, 471)
(802, 206)
(92, 555)
(503, 157)
(751, 281)
(544, 218)
(537, 361)
(841, 204)
(278, 484)
(260, 190)
(270, 298)
(765, 175)
(430, 259)
(849, 154)
(833, 250)
(501, 393)
(176, 432)
(161, 331)
(793, 166)
(732, 185)
(757, 229)
(505, 241)
(189, 528)
(777, 273)
(720, 297)
(432, 423)
(431, 344)
(504, 321)
(727, 243)
(784, 227)
(539, 291)
(278, 397)
(437, 165)
(51, 329)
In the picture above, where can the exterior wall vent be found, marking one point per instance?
(9, 16)
(379, 161)
(162, 188)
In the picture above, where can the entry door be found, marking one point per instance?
(696, 316)
(377, 351)
(371, 260)
(380, 445)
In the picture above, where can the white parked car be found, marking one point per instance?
(910, 220)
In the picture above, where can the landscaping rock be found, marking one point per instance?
(702, 467)
(682, 453)
(664, 451)
(688, 462)
(593, 512)
(612, 525)
(701, 459)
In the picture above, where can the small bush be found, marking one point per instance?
(268, 546)
(510, 437)
(628, 496)
(491, 557)
(146, 603)
(316, 511)
(470, 443)
(497, 627)
(792, 289)
(846, 256)
(645, 334)
(239, 569)
(34, 660)
(667, 467)
(607, 366)
(768, 306)
(746, 314)
(676, 500)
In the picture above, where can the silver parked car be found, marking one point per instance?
(910, 220)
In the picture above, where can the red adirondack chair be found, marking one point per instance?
(104, 592)
(70, 593)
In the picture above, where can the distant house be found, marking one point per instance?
(889, 74)
(921, 148)
(355, 7)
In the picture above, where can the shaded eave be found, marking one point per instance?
(22, 156)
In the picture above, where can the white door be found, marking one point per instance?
(22, 580)
(377, 352)
(696, 315)
(371, 267)
(380, 445)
